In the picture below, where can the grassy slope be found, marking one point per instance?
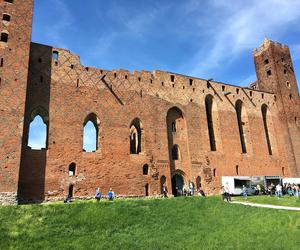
(283, 201)
(182, 223)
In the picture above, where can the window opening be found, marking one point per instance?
(264, 110)
(91, 133)
(145, 169)
(172, 78)
(135, 137)
(241, 123)
(37, 138)
(4, 37)
(210, 125)
(55, 55)
(72, 169)
(6, 17)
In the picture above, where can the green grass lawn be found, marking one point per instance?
(180, 223)
(273, 200)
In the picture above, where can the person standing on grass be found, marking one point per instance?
(165, 190)
(245, 193)
(111, 194)
(98, 194)
(227, 194)
(278, 190)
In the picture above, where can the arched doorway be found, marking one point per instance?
(163, 180)
(177, 184)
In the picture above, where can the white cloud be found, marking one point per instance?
(243, 26)
(64, 20)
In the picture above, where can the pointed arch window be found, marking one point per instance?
(91, 142)
(210, 122)
(38, 129)
(136, 137)
(241, 124)
(264, 111)
(72, 169)
(145, 169)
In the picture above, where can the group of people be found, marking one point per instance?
(225, 193)
(187, 190)
(279, 190)
(110, 194)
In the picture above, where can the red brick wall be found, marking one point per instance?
(65, 92)
(73, 92)
(13, 74)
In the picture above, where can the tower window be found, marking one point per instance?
(266, 61)
(269, 73)
(223, 88)
(1, 62)
(285, 71)
(172, 78)
(237, 91)
(250, 93)
(6, 17)
(290, 96)
(191, 82)
(282, 59)
(288, 85)
(4, 37)
(55, 55)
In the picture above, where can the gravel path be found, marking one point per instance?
(266, 206)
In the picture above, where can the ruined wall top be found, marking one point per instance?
(266, 44)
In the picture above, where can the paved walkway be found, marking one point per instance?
(266, 206)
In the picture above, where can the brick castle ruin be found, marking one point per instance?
(151, 127)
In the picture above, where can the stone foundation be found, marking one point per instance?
(8, 198)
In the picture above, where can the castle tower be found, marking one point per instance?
(15, 41)
(275, 73)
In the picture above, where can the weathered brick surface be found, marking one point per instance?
(13, 80)
(65, 92)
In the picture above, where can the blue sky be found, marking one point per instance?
(207, 39)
